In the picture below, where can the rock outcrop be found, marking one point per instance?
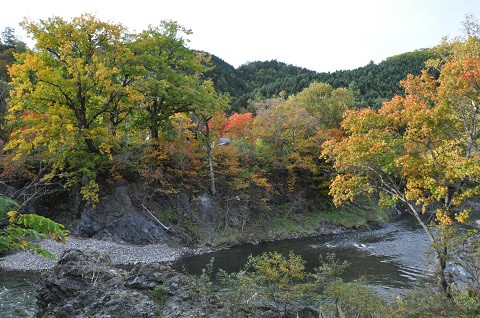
(126, 212)
(121, 216)
(85, 285)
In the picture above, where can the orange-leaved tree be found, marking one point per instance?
(420, 150)
(174, 159)
(239, 128)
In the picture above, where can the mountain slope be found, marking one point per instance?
(373, 83)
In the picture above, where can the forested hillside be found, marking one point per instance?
(9, 44)
(373, 83)
(226, 78)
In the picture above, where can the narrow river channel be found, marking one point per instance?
(390, 258)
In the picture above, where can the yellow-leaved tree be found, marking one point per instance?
(70, 96)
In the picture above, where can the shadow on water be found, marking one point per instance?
(393, 257)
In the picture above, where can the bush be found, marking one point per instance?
(280, 280)
(160, 294)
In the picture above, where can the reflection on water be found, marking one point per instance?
(17, 294)
(390, 257)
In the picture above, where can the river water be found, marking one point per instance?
(391, 258)
(17, 292)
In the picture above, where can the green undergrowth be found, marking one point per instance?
(360, 216)
(315, 220)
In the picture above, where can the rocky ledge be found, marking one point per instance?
(86, 284)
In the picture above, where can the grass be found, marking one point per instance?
(160, 294)
(350, 217)
(320, 218)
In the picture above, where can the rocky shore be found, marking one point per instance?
(118, 253)
(85, 284)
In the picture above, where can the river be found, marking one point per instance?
(390, 258)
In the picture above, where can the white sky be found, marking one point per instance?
(316, 34)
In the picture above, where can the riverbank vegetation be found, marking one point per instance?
(93, 104)
(283, 287)
(17, 230)
(420, 150)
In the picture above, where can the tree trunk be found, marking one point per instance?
(114, 126)
(441, 264)
(439, 251)
(210, 158)
(153, 113)
(84, 126)
(90, 145)
(153, 133)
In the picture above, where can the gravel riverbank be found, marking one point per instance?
(119, 253)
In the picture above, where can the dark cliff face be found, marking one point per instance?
(121, 215)
(130, 213)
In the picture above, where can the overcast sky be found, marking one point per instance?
(316, 34)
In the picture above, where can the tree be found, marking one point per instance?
(323, 102)
(175, 160)
(213, 105)
(279, 279)
(172, 78)
(290, 134)
(421, 150)
(70, 94)
(9, 45)
(239, 127)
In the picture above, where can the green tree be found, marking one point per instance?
(323, 102)
(9, 45)
(172, 81)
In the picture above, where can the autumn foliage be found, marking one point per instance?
(90, 87)
(419, 151)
